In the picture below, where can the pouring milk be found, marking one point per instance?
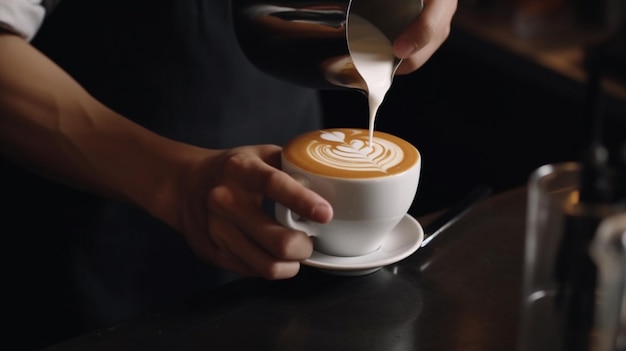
(372, 55)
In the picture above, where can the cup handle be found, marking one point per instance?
(289, 219)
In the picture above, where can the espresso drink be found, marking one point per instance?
(372, 55)
(347, 153)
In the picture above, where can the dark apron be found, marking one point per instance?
(173, 66)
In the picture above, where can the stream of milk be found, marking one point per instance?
(372, 55)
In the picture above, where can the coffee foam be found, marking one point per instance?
(347, 153)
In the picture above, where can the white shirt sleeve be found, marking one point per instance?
(23, 17)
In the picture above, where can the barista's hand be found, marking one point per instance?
(425, 34)
(221, 217)
(52, 125)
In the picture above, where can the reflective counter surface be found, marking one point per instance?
(461, 292)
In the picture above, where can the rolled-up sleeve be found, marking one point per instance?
(23, 17)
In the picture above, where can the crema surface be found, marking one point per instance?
(347, 153)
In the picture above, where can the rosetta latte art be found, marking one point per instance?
(354, 153)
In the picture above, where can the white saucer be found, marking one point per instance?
(403, 240)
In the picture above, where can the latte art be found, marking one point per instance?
(354, 152)
(347, 153)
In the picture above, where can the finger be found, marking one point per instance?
(417, 60)
(294, 195)
(430, 27)
(280, 242)
(244, 211)
(211, 249)
(280, 245)
(243, 253)
(256, 175)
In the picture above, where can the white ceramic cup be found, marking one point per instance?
(370, 188)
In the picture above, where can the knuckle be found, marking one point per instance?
(219, 197)
(236, 162)
(430, 28)
(215, 195)
(445, 32)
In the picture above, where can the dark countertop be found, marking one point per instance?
(462, 292)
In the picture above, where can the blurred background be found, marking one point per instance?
(505, 94)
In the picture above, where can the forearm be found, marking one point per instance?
(51, 125)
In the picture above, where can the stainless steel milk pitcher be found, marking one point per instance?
(306, 42)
